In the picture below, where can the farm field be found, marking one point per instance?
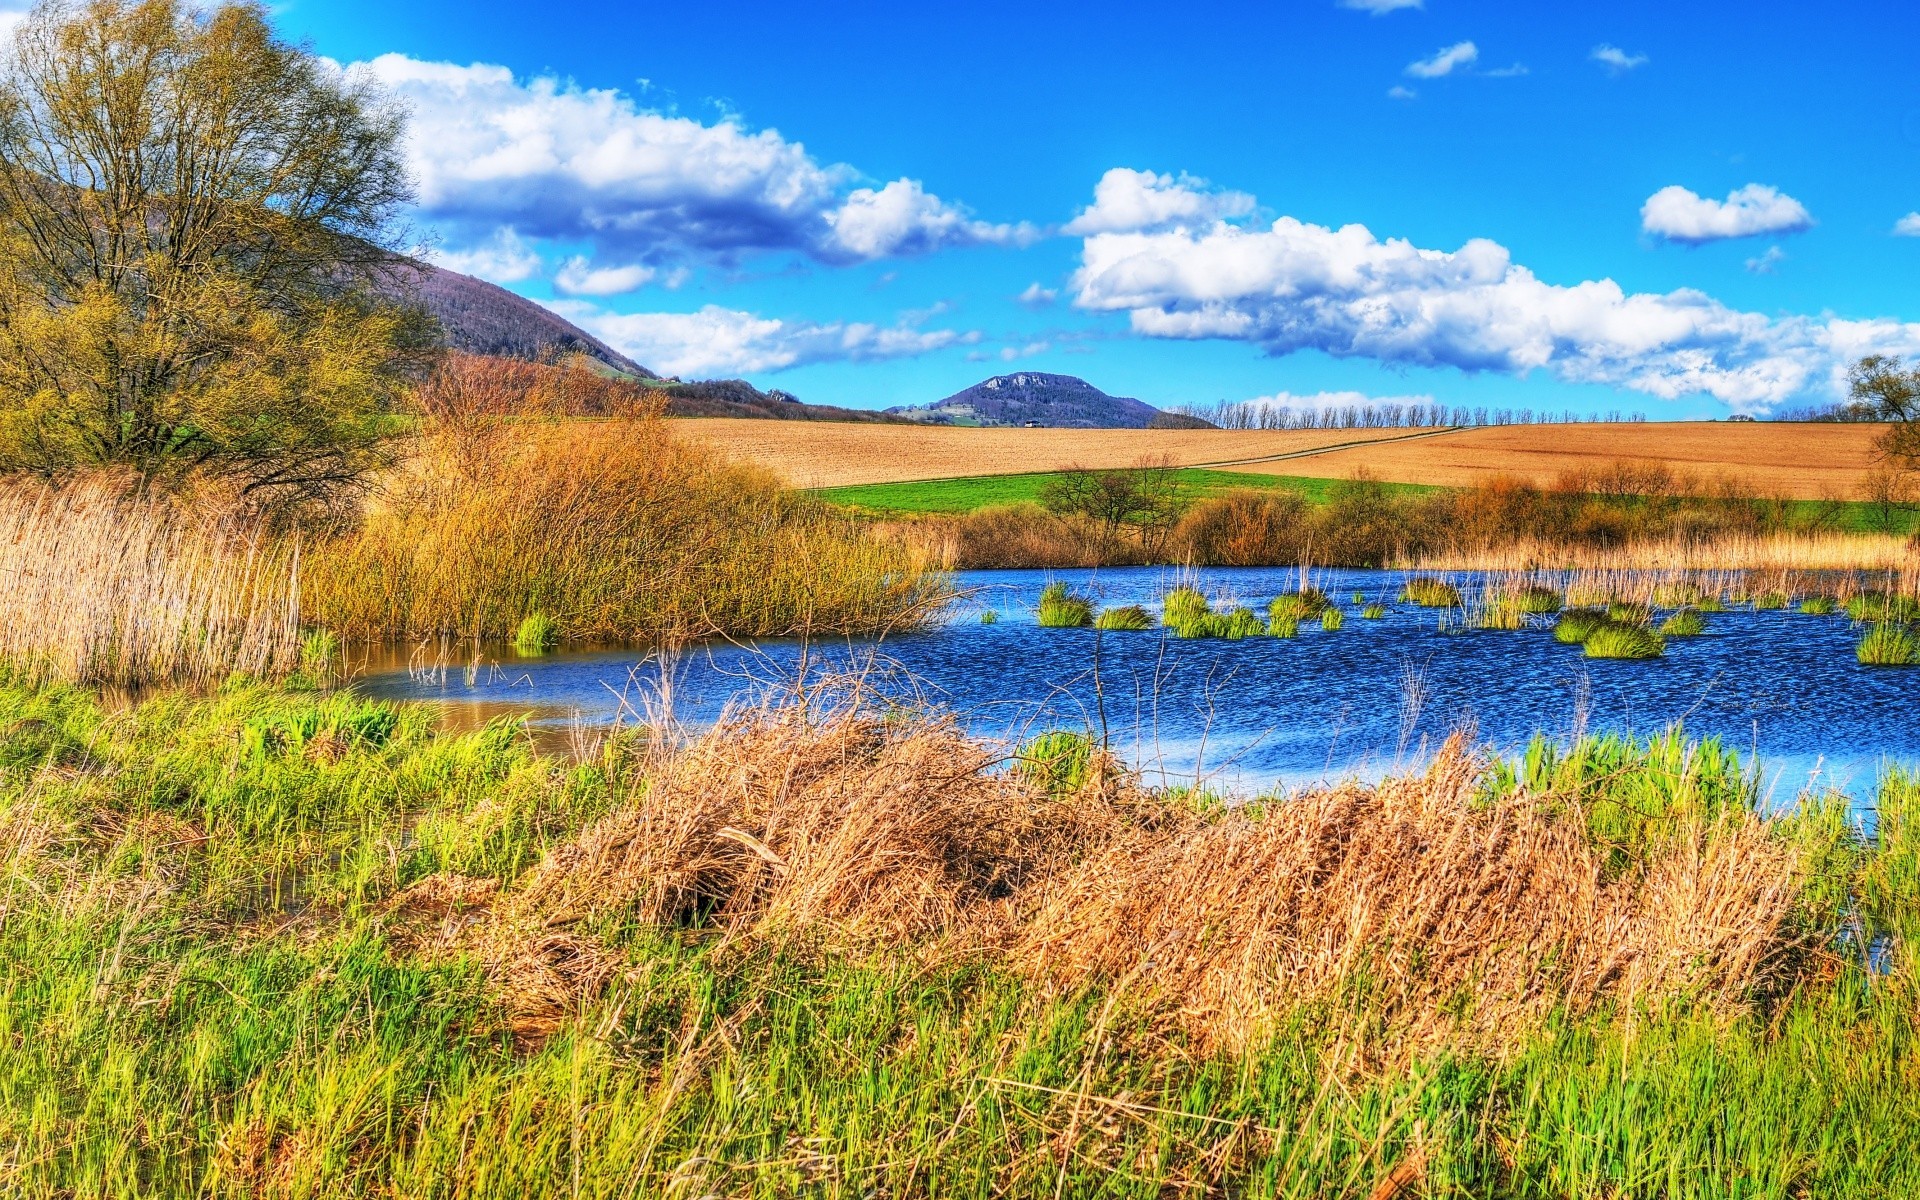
(970, 493)
(1802, 461)
(819, 454)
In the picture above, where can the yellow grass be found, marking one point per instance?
(1774, 552)
(816, 454)
(105, 585)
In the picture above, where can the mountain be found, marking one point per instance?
(1034, 397)
(483, 319)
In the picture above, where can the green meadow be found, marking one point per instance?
(990, 491)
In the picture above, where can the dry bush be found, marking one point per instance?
(106, 583)
(1245, 529)
(1436, 916)
(615, 530)
(1004, 537)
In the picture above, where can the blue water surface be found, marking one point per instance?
(1782, 686)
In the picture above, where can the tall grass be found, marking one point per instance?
(843, 950)
(106, 584)
(614, 530)
(1061, 609)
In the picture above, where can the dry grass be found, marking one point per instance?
(614, 530)
(105, 584)
(1785, 551)
(1437, 915)
(1797, 461)
(831, 454)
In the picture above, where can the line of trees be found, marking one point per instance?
(1250, 414)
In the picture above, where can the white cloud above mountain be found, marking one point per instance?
(503, 257)
(1445, 62)
(1293, 286)
(1679, 215)
(717, 341)
(566, 164)
(1126, 200)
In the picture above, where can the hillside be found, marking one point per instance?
(482, 318)
(1035, 397)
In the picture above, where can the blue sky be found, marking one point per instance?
(1678, 209)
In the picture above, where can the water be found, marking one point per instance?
(1265, 712)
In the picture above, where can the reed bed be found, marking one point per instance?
(105, 583)
(1787, 551)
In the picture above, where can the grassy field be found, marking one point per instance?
(985, 491)
(1802, 461)
(269, 944)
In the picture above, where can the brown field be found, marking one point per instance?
(1799, 461)
(1802, 461)
(830, 454)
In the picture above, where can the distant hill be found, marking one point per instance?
(480, 318)
(1034, 397)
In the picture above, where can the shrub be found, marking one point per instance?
(1428, 592)
(1061, 609)
(1614, 639)
(1888, 646)
(1130, 618)
(1686, 622)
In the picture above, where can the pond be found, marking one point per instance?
(1782, 686)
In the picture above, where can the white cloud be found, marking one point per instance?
(501, 258)
(904, 218)
(1318, 401)
(1380, 8)
(579, 277)
(1445, 62)
(1907, 226)
(1127, 200)
(569, 164)
(1399, 92)
(1037, 297)
(721, 341)
(1616, 60)
(1768, 263)
(1679, 215)
(1298, 286)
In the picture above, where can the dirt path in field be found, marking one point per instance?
(1317, 450)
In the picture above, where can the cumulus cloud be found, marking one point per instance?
(1400, 92)
(1679, 215)
(904, 218)
(723, 341)
(579, 277)
(1126, 200)
(1616, 60)
(1038, 297)
(1907, 226)
(586, 165)
(502, 258)
(1297, 286)
(1768, 263)
(1381, 8)
(1445, 62)
(1320, 401)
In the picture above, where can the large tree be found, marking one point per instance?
(195, 249)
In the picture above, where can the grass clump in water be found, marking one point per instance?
(1332, 620)
(1284, 627)
(1301, 605)
(537, 634)
(1770, 601)
(1428, 592)
(1577, 624)
(1614, 639)
(990, 617)
(1882, 606)
(1129, 618)
(1686, 622)
(1184, 606)
(1628, 612)
(1374, 612)
(1819, 606)
(1241, 623)
(1887, 645)
(1680, 594)
(1062, 609)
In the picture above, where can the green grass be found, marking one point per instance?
(1128, 618)
(1374, 612)
(1332, 620)
(1819, 606)
(1577, 624)
(1307, 602)
(1614, 639)
(1880, 606)
(992, 491)
(1427, 592)
(536, 635)
(1183, 606)
(1061, 609)
(1685, 622)
(1888, 646)
(204, 992)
